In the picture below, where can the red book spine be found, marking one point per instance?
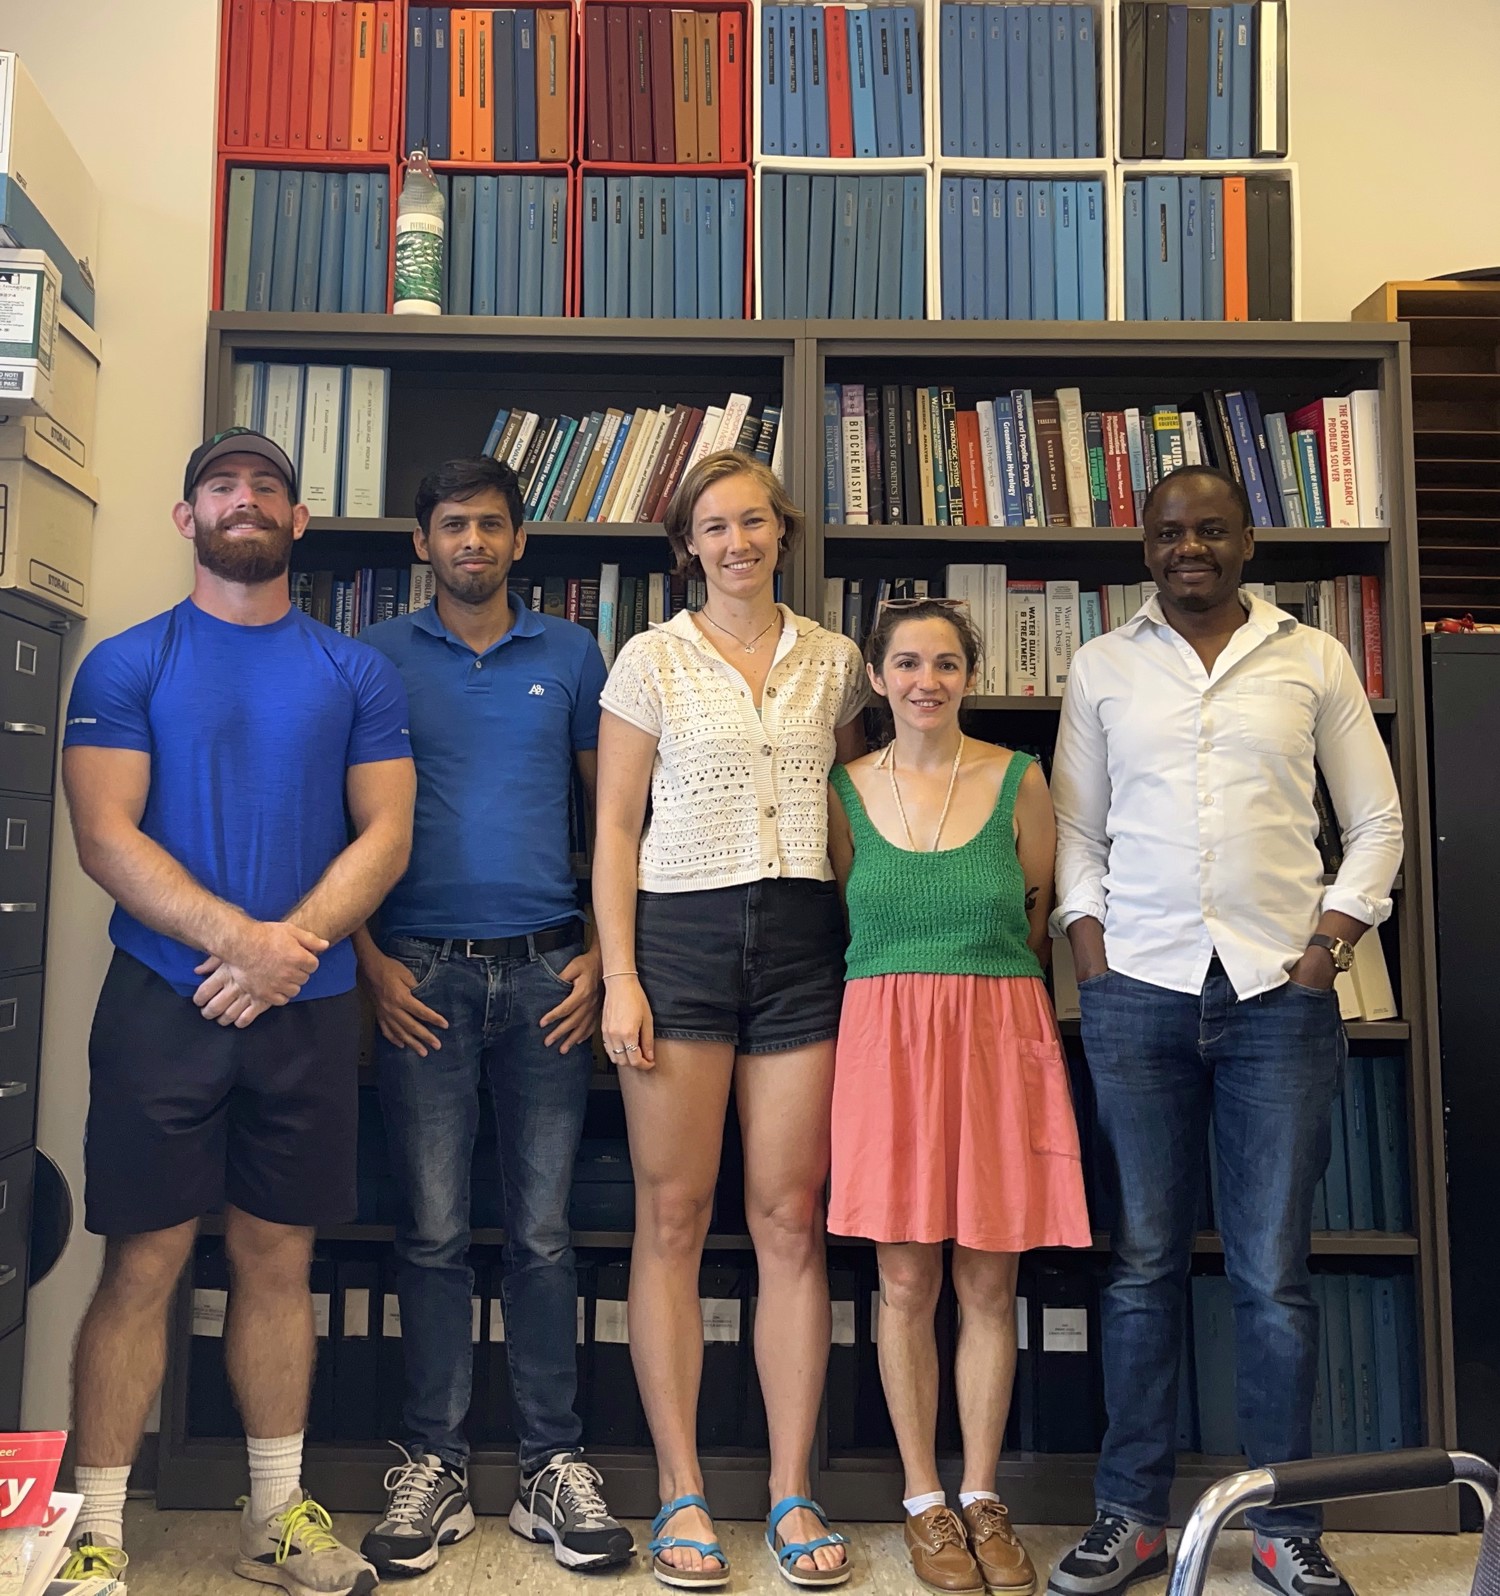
(341, 96)
(322, 73)
(1117, 469)
(1369, 603)
(383, 107)
(731, 86)
(596, 86)
(663, 117)
(840, 106)
(641, 143)
(237, 89)
(260, 72)
(971, 467)
(574, 588)
(278, 123)
(302, 21)
(617, 68)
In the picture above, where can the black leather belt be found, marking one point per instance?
(557, 936)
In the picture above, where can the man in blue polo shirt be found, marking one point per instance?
(478, 971)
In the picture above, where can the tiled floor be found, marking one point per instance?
(189, 1554)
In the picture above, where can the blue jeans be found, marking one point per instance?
(1264, 1072)
(431, 1108)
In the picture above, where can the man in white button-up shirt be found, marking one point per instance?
(1206, 943)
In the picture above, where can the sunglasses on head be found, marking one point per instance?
(917, 603)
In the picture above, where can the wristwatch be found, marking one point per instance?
(1340, 951)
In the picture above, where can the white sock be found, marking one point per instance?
(101, 1519)
(275, 1472)
(968, 1498)
(920, 1504)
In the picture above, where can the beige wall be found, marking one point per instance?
(1396, 122)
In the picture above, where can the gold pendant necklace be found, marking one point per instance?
(888, 759)
(749, 647)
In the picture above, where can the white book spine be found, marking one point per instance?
(966, 583)
(423, 586)
(856, 504)
(1369, 462)
(283, 422)
(1114, 597)
(1062, 633)
(1026, 675)
(1377, 998)
(364, 441)
(609, 430)
(1192, 449)
(833, 604)
(1135, 596)
(619, 479)
(609, 603)
(1338, 437)
(708, 436)
(735, 411)
(522, 440)
(995, 651)
(656, 598)
(778, 451)
(989, 459)
(645, 463)
(1075, 457)
(322, 437)
(244, 394)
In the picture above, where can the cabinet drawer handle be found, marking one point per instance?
(8, 1273)
(17, 908)
(25, 728)
(13, 1088)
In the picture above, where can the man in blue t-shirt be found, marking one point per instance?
(210, 754)
(479, 973)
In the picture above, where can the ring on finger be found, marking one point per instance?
(630, 1047)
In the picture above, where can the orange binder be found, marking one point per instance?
(731, 86)
(684, 108)
(279, 119)
(1236, 259)
(322, 77)
(483, 87)
(382, 105)
(236, 132)
(552, 42)
(260, 73)
(301, 73)
(706, 83)
(362, 94)
(461, 85)
(343, 75)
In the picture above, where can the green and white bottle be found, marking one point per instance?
(419, 241)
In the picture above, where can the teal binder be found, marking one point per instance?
(662, 275)
(309, 243)
(796, 260)
(1066, 246)
(862, 81)
(732, 244)
(1340, 1364)
(331, 250)
(378, 245)
(555, 245)
(508, 246)
(684, 247)
(867, 249)
(972, 229)
(533, 225)
(461, 246)
(820, 248)
(595, 232)
(996, 248)
(950, 240)
(486, 224)
(263, 240)
(888, 279)
(640, 246)
(1043, 252)
(845, 246)
(617, 246)
(913, 247)
(772, 246)
(1018, 247)
(284, 255)
(706, 200)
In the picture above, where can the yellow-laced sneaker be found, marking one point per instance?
(89, 1559)
(296, 1549)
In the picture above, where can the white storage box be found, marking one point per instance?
(47, 526)
(29, 284)
(68, 426)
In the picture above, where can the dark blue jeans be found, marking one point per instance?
(431, 1108)
(1264, 1073)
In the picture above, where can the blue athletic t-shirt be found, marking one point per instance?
(250, 730)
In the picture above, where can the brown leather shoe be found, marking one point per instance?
(1001, 1557)
(940, 1555)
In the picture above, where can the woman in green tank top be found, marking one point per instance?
(952, 1118)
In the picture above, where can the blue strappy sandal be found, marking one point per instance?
(786, 1554)
(685, 1578)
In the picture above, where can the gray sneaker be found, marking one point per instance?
(428, 1509)
(296, 1549)
(562, 1503)
(1296, 1565)
(1115, 1552)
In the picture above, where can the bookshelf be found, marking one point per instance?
(448, 376)
(1455, 342)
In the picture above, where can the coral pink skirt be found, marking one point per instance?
(952, 1116)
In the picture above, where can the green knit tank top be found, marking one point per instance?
(960, 911)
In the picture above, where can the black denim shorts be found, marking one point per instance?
(760, 966)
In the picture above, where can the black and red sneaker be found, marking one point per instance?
(1296, 1565)
(1114, 1552)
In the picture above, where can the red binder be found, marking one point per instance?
(641, 144)
(383, 107)
(341, 95)
(840, 107)
(302, 21)
(731, 86)
(237, 87)
(596, 86)
(278, 123)
(663, 117)
(260, 72)
(322, 78)
(617, 68)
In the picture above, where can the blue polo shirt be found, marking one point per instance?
(494, 737)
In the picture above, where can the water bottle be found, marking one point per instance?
(419, 241)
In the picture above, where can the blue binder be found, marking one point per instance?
(508, 249)
(971, 79)
(1388, 1427)
(1163, 249)
(1135, 249)
(486, 224)
(1213, 248)
(1341, 1365)
(1220, 81)
(1018, 81)
(1390, 1141)
(263, 241)
(1241, 71)
(1043, 252)
(909, 82)
(684, 247)
(595, 232)
(1408, 1352)
(1091, 293)
(555, 244)
(1177, 30)
(1336, 1176)
(1242, 436)
(418, 22)
(996, 289)
(972, 229)
(1065, 245)
(913, 247)
(770, 80)
(1085, 84)
(867, 250)
(996, 128)
(815, 80)
(284, 253)
(461, 245)
(710, 267)
(885, 45)
(1192, 249)
(845, 246)
(1357, 1136)
(638, 217)
(1039, 53)
(1322, 1410)
(732, 246)
(1018, 243)
(950, 239)
(662, 279)
(533, 224)
(833, 456)
(888, 277)
(796, 220)
(309, 242)
(526, 85)
(1213, 1358)
(1187, 1407)
(820, 247)
(331, 250)
(378, 244)
(793, 64)
(445, 188)
(862, 81)
(439, 25)
(950, 76)
(1362, 1363)
(772, 246)
(504, 48)
(1064, 113)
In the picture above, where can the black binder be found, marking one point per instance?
(324, 1282)
(385, 1314)
(1198, 34)
(1065, 1354)
(1279, 248)
(723, 1289)
(1133, 80)
(211, 1410)
(613, 1415)
(492, 1408)
(1156, 82)
(1258, 247)
(872, 1420)
(843, 1359)
(356, 1326)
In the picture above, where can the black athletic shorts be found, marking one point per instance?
(186, 1115)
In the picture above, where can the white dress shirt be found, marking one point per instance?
(1184, 797)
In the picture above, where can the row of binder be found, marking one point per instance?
(507, 245)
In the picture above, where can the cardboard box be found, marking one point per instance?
(68, 426)
(47, 527)
(48, 201)
(29, 284)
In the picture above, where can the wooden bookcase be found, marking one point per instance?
(449, 375)
(1455, 383)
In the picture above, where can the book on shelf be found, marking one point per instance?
(989, 60)
(487, 86)
(507, 245)
(1208, 248)
(1203, 83)
(370, 595)
(663, 86)
(310, 76)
